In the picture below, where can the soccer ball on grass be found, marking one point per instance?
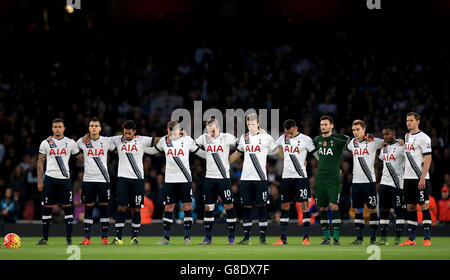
(12, 241)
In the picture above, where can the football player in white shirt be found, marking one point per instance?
(96, 181)
(417, 178)
(364, 189)
(392, 157)
(178, 179)
(130, 184)
(56, 187)
(294, 187)
(254, 186)
(217, 180)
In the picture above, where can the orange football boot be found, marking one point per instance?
(105, 241)
(305, 241)
(279, 242)
(408, 243)
(86, 241)
(427, 242)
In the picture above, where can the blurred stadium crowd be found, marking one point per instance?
(81, 71)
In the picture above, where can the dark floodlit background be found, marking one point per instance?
(119, 60)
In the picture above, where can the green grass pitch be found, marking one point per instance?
(148, 250)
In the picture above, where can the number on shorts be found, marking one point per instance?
(264, 196)
(422, 196)
(138, 199)
(373, 200)
(398, 199)
(70, 196)
(303, 193)
(227, 194)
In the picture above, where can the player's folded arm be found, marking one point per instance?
(198, 151)
(152, 150)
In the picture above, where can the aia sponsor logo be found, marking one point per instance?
(175, 152)
(129, 148)
(253, 149)
(58, 152)
(389, 157)
(360, 152)
(214, 149)
(96, 152)
(292, 150)
(409, 147)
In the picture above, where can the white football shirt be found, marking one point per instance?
(255, 149)
(393, 157)
(131, 154)
(177, 157)
(58, 153)
(364, 154)
(295, 151)
(96, 159)
(417, 145)
(217, 152)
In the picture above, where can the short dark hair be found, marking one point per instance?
(415, 114)
(172, 124)
(57, 121)
(95, 119)
(129, 124)
(289, 123)
(391, 127)
(330, 118)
